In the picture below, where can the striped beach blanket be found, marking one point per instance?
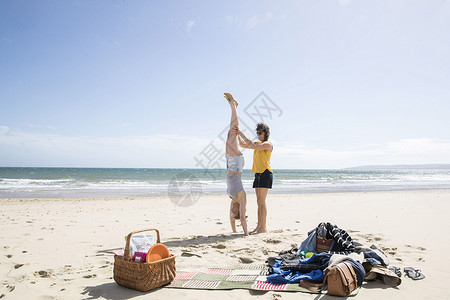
(250, 277)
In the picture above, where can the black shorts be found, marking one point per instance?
(263, 180)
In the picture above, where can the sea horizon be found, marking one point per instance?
(63, 182)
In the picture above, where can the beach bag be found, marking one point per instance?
(143, 276)
(340, 280)
(322, 243)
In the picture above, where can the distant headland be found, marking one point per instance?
(405, 167)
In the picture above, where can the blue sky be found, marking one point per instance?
(140, 83)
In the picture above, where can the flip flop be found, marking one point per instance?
(413, 273)
(397, 271)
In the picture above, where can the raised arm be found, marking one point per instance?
(232, 220)
(246, 143)
(242, 212)
(242, 143)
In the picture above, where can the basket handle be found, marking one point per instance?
(126, 253)
(322, 226)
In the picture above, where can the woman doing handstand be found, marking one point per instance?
(235, 165)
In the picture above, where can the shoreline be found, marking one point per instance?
(248, 190)
(68, 242)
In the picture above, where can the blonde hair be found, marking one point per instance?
(236, 215)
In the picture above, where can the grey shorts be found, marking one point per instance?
(234, 184)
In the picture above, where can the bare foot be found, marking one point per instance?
(256, 230)
(230, 99)
(227, 97)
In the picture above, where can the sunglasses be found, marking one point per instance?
(259, 132)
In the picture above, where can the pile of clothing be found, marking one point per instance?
(308, 261)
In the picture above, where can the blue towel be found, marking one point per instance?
(280, 276)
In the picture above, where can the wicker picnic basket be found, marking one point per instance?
(143, 276)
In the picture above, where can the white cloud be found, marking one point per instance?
(232, 19)
(41, 126)
(404, 151)
(189, 25)
(419, 146)
(256, 20)
(4, 130)
(251, 22)
(19, 148)
(26, 148)
(16, 137)
(344, 2)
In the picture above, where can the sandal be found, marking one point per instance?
(413, 273)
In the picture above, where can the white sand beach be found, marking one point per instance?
(60, 248)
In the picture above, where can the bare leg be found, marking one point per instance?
(261, 194)
(232, 146)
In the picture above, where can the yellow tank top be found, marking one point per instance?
(261, 161)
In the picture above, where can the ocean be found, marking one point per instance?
(123, 182)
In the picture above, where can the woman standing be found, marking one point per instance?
(261, 167)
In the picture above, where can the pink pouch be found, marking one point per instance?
(140, 256)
